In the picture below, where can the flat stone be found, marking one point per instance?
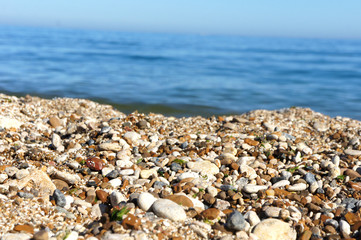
(297, 187)
(251, 188)
(61, 185)
(115, 182)
(132, 138)
(168, 209)
(210, 213)
(3, 177)
(181, 200)
(274, 229)
(24, 228)
(54, 122)
(282, 183)
(8, 123)
(146, 200)
(67, 177)
(352, 152)
(38, 180)
(345, 228)
(98, 210)
(115, 147)
(204, 167)
(236, 221)
(306, 235)
(16, 236)
(56, 141)
(352, 174)
(221, 204)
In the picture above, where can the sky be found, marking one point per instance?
(277, 18)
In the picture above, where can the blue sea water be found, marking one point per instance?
(183, 75)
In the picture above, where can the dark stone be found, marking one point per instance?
(23, 165)
(59, 198)
(142, 124)
(175, 167)
(236, 221)
(310, 178)
(90, 142)
(113, 174)
(105, 129)
(277, 179)
(184, 145)
(25, 195)
(159, 184)
(91, 183)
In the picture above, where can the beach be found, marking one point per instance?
(77, 169)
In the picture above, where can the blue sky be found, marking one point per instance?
(302, 18)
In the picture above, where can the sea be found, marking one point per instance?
(183, 74)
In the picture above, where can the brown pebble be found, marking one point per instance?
(102, 195)
(94, 163)
(24, 228)
(210, 213)
(330, 229)
(54, 122)
(351, 173)
(181, 200)
(306, 235)
(209, 199)
(61, 185)
(131, 222)
(251, 142)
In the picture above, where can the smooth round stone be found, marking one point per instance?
(313, 187)
(115, 182)
(281, 183)
(114, 147)
(273, 212)
(168, 209)
(352, 152)
(187, 175)
(159, 184)
(297, 187)
(252, 218)
(59, 198)
(274, 229)
(126, 172)
(181, 200)
(205, 167)
(212, 190)
(56, 141)
(345, 227)
(116, 198)
(336, 160)
(310, 178)
(94, 163)
(105, 129)
(251, 188)
(236, 221)
(146, 200)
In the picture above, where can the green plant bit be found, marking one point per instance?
(117, 215)
(179, 161)
(139, 160)
(292, 170)
(341, 177)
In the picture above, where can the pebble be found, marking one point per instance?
(236, 221)
(273, 212)
(132, 138)
(115, 147)
(59, 198)
(22, 173)
(54, 121)
(204, 167)
(41, 235)
(146, 200)
(345, 228)
(169, 209)
(251, 188)
(274, 229)
(352, 152)
(11, 171)
(3, 177)
(210, 213)
(297, 187)
(94, 163)
(281, 183)
(310, 178)
(252, 218)
(16, 236)
(116, 198)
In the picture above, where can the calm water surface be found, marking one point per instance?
(183, 74)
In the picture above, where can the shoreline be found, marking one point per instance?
(291, 173)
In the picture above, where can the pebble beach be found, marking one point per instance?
(76, 169)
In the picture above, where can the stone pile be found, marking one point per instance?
(75, 169)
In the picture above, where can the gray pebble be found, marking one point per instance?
(113, 174)
(175, 167)
(25, 195)
(59, 198)
(310, 178)
(236, 221)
